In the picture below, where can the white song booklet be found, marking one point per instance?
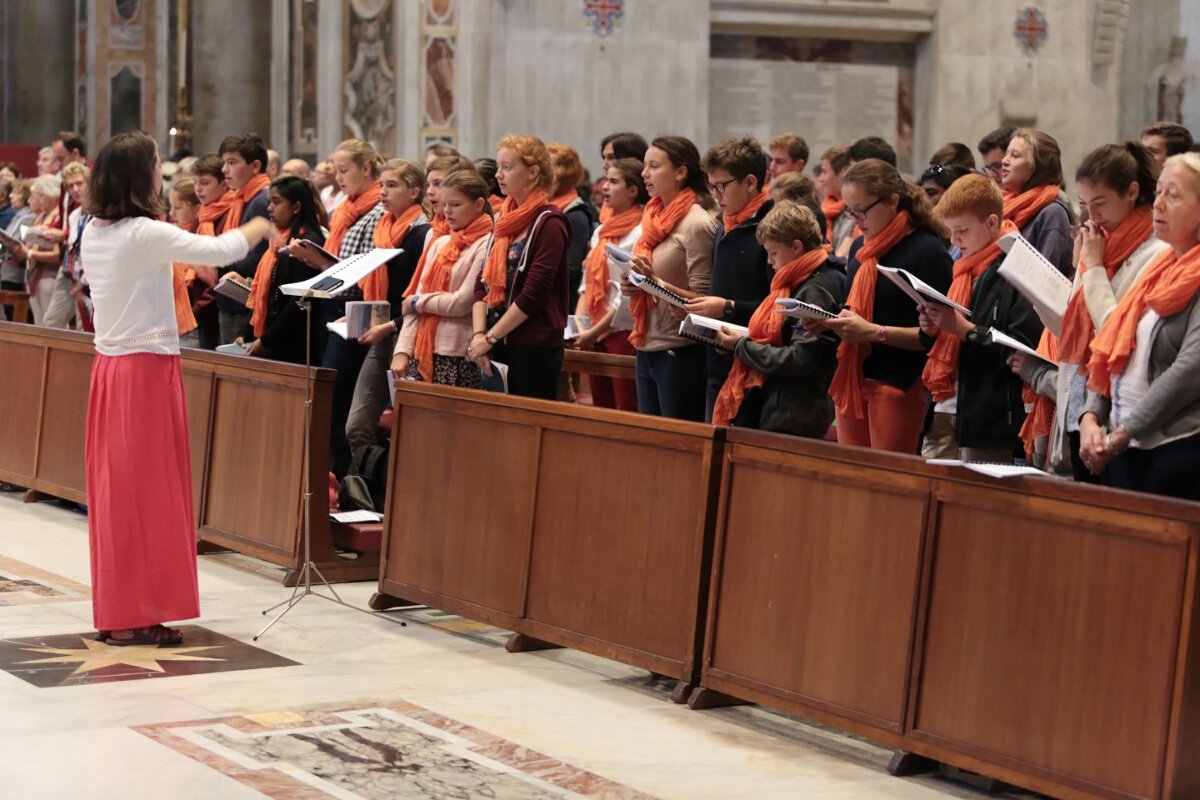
(1038, 281)
(341, 276)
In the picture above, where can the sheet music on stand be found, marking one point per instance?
(1036, 279)
(341, 276)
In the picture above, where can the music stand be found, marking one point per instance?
(305, 294)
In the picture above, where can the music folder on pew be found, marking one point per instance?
(342, 276)
(1036, 279)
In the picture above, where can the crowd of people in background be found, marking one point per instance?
(515, 257)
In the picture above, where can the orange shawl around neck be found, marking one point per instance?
(1021, 208)
(389, 233)
(513, 221)
(595, 268)
(348, 212)
(240, 198)
(260, 287)
(731, 221)
(658, 221)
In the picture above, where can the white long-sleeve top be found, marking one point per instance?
(129, 270)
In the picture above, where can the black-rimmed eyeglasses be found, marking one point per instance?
(861, 216)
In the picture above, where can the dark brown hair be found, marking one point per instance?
(955, 153)
(738, 157)
(631, 173)
(122, 182)
(873, 147)
(16, 171)
(880, 179)
(71, 141)
(625, 145)
(838, 157)
(249, 146)
(209, 164)
(998, 138)
(1178, 138)
(1118, 166)
(682, 152)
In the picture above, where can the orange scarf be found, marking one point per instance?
(1166, 286)
(438, 280)
(832, 208)
(658, 221)
(260, 287)
(511, 222)
(181, 277)
(1021, 208)
(495, 201)
(241, 197)
(440, 228)
(389, 233)
(1077, 326)
(1040, 418)
(846, 388)
(595, 268)
(565, 199)
(731, 221)
(766, 327)
(942, 360)
(348, 212)
(211, 213)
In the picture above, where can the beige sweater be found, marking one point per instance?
(683, 259)
(453, 306)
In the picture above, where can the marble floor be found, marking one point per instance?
(334, 703)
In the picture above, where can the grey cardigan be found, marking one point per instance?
(1172, 403)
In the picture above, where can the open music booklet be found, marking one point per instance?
(341, 276)
(1002, 338)
(704, 329)
(655, 289)
(920, 291)
(1036, 279)
(994, 469)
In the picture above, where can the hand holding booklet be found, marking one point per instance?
(704, 329)
(920, 291)
(798, 309)
(1002, 338)
(655, 289)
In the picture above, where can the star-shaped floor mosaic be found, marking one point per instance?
(77, 658)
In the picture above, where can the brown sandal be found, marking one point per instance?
(159, 635)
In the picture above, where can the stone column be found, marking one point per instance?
(37, 65)
(231, 71)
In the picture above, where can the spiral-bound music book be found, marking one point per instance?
(655, 289)
(1038, 281)
(704, 329)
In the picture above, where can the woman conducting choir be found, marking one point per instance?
(1141, 425)
(521, 295)
(140, 521)
(877, 388)
(432, 346)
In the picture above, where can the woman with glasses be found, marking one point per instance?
(1115, 184)
(877, 389)
(1031, 179)
(675, 250)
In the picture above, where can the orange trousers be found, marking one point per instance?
(893, 420)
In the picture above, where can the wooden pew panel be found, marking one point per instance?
(20, 407)
(1051, 637)
(817, 594)
(463, 527)
(64, 420)
(612, 510)
(255, 460)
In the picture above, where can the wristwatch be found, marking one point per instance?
(728, 308)
(489, 338)
(881, 334)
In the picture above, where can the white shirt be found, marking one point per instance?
(129, 270)
(1127, 390)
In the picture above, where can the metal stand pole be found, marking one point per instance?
(304, 586)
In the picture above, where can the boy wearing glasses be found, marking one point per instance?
(741, 274)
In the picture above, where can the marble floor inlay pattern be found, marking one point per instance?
(77, 658)
(25, 584)
(399, 750)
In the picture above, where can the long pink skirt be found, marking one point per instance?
(139, 482)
